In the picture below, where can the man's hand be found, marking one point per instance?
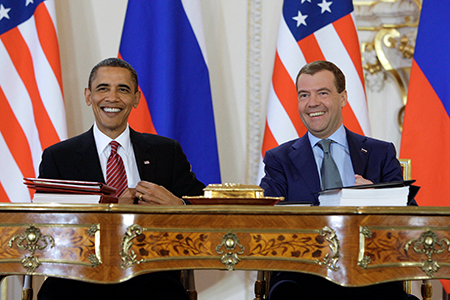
(149, 193)
(128, 196)
(359, 180)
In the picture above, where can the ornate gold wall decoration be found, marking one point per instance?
(390, 51)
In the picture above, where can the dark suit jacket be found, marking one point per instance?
(77, 159)
(291, 169)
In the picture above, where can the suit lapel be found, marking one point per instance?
(358, 153)
(86, 158)
(143, 155)
(302, 157)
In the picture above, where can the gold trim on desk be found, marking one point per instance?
(298, 239)
(404, 246)
(43, 247)
(144, 245)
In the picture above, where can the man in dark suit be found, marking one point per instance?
(292, 170)
(157, 172)
(294, 162)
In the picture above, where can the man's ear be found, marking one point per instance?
(344, 98)
(87, 96)
(137, 98)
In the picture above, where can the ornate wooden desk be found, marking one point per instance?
(111, 243)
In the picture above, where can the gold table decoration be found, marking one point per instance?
(233, 194)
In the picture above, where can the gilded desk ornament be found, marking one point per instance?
(366, 232)
(230, 259)
(93, 259)
(330, 261)
(32, 236)
(29, 241)
(364, 261)
(429, 244)
(129, 256)
(31, 263)
(93, 229)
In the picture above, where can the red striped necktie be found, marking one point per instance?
(115, 170)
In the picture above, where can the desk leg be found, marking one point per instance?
(427, 290)
(27, 290)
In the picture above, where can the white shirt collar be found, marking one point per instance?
(102, 140)
(339, 136)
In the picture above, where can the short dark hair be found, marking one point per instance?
(320, 65)
(117, 63)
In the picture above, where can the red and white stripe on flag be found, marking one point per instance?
(31, 94)
(310, 31)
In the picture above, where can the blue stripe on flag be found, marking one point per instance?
(15, 12)
(158, 41)
(431, 37)
(315, 19)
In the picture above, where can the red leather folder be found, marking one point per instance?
(57, 189)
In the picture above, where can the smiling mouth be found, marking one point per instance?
(316, 114)
(111, 109)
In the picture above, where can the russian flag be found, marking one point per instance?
(163, 41)
(426, 133)
(426, 126)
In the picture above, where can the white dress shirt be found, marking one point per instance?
(125, 151)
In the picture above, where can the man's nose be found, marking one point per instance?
(314, 100)
(112, 95)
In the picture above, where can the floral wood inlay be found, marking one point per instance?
(140, 245)
(429, 244)
(55, 243)
(385, 247)
(295, 245)
(311, 245)
(405, 247)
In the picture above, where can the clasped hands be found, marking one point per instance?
(147, 193)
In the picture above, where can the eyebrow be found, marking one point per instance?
(107, 85)
(125, 86)
(318, 90)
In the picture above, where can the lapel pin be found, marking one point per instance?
(146, 162)
(363, 150)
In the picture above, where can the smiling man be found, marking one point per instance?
(156, 173)
(294, 170)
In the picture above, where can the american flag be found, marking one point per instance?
(313, 30)
(31, 97)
